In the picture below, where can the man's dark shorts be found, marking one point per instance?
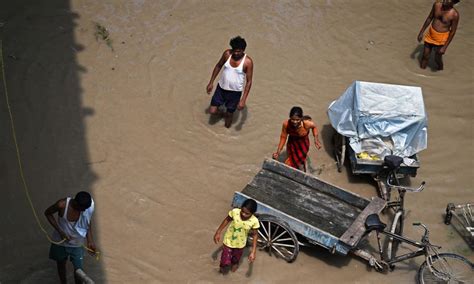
(61, 253)
(230, 99)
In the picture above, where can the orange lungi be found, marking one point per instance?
(436, 38)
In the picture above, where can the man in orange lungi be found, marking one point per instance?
(444, 22)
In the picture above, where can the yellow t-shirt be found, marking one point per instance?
(237, 232)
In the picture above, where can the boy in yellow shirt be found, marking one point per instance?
(242, 221)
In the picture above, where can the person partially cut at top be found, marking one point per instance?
(443, 20)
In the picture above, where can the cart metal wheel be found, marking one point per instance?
(339, 150)
(397, 229)
(276, 237)
(446, 268)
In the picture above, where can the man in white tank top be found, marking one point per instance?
(231, 91)
(72, 229)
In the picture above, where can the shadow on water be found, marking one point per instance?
(327, 139)
(239, 117)
(44, 89)
(326, 256)
(418, 54)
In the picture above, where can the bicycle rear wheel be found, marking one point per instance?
(397, 229)
(446, 268)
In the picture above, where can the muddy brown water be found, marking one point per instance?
(130, 125)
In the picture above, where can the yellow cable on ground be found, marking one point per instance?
(20, 166)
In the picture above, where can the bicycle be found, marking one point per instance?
(437, 267)
(391, 182)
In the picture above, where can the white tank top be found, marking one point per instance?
(77, 230)
(232, 79)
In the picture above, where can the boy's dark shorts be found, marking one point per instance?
(61, 253)
(230, 99)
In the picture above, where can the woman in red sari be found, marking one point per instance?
(297, 129)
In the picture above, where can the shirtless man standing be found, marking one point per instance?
(238, 68)
(444, 21)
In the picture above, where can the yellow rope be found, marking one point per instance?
(20, 166)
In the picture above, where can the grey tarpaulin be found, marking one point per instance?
(381, 119)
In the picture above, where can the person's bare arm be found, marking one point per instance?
(57, 207)
(217, 69)
(225, 222)
(314, 129)
(282, 142)
(452, 32)
(248, 65)
(252, 254)
(90, 240)
(427, 22)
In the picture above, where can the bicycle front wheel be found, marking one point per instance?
(446, 268)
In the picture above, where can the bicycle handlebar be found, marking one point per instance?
(406, 188)
(425, 235)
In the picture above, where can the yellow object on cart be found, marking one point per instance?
(367, 156)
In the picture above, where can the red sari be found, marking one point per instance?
(297, 146)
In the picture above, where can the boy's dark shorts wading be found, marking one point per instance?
(230, 99)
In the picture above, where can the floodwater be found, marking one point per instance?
(130, 126)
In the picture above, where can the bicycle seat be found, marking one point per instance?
(373, 223)
(392, 162)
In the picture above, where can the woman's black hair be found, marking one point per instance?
(250, 204)
(238, 43)
(298, 111)
(83, 199)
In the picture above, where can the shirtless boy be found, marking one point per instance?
(444, 19)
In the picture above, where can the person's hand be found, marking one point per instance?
(209, 88)
(252, 257)
(275, 155)
(442, 50)
(217, 237)
(317, 144)
(420, 37)
(91, 248)
(241, 105)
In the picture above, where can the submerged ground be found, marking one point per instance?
(130, 126)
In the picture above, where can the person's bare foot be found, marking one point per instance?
(234, 267)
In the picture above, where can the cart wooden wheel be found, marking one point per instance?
(339, 150)
(277, 238)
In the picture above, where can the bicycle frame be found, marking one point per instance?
(421, 251)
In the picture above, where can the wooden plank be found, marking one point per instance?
(315, 183)
(355, 232)
(317, 218)
(306, 204)
(305, 195)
